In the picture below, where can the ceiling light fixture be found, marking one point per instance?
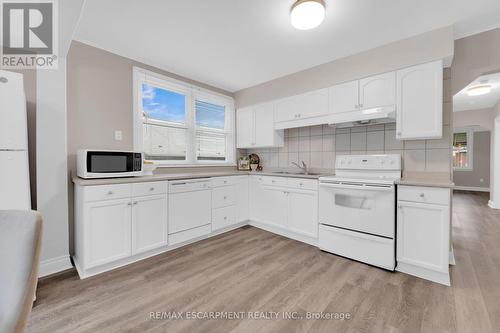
(479, 90)
(307, 14)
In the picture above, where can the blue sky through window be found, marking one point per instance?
(210, 115)
(161, 104)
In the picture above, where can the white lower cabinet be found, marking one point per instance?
(288, 206)
(302, 212)
(117, 224)
(149, 227)
(229, 201)
(108, 231)
(423, 232)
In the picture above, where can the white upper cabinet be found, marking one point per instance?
(264, 125)
(313, 104)
(286, 109)
(420, 102)
(344, 97)
(255, 127)
(245, 131)
(308, 105)
(377, 91)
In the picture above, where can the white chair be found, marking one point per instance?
(20, 243)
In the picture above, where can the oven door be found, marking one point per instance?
(366, 208)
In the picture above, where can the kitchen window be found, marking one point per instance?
(462, 150)
(176, 124)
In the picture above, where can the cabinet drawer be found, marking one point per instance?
(223, 217)
(274, 181)
(107, 192)
(301, 183)
(431, 195)
(223, 181)
(148, 188)
(223, 196)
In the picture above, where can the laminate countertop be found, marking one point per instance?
(429, 179)
(192, 175)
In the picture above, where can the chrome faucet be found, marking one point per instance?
(303, 167)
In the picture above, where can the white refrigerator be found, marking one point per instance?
(14, 165)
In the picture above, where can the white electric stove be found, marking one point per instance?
(357, 208)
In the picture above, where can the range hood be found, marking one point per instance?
(378, 115)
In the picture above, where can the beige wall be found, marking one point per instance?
(423, 48)
(474, 56)
(100, 101)
(480, 164)
(481, 118)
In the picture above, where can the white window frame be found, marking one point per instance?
(470, 150)
(192, 93)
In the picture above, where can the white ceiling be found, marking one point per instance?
(464, 102)
(235, 44)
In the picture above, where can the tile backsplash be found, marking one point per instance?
(317, 146)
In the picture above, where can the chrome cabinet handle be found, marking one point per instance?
(129, 204)
(421, 195)
(225, 197)
(135, 203)
(225, 217)
(110, 192)
(152, 189)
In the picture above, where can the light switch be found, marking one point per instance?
(118, 135)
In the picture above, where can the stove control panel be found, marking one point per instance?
(368, 162)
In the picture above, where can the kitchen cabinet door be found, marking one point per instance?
(274, 204)
(287, 109)
(245, 127)
(313, 104)
(377, 91)
(149, 223)
(242, 199)
(108, 231)
(303, 212)
(423, 235)
(265, 135)
(344, 97)
(420, 102)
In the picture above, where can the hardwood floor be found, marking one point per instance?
(252, 270)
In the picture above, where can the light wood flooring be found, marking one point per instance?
(253, 270)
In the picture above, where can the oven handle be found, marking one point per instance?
(387, 188)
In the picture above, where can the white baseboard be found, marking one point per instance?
(472, 188)
(491, 204)
(54, 265)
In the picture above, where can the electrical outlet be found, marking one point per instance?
(118, 135)
(481, 180)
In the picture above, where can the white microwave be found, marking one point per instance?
(108, 163)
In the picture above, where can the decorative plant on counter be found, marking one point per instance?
(254, 161)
